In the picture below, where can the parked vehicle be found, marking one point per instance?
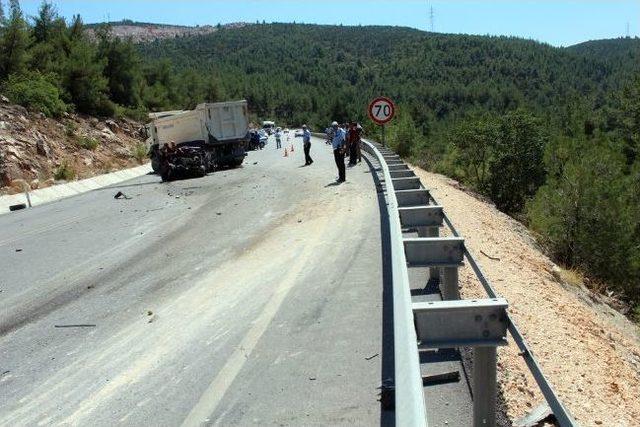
(216, 132)
(269, 127)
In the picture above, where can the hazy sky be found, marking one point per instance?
(558, 22)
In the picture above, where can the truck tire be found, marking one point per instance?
(165, 174)
(154, 154)
(155, 164)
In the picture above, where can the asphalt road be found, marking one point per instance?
(250, 296)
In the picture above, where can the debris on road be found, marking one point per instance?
(75, 326)
(17, 207)
(121, 195)
(371, 357)
(312, 378)
(18, 250)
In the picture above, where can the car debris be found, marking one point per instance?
(121, 195)
(17, 207)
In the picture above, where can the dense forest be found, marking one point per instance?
(551, 135)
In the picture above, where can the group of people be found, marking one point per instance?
(345, 141)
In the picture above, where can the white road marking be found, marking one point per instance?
(213, 395)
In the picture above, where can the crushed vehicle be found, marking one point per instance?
(194, 142)
(181, 162)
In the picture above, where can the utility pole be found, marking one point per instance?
(431, 16)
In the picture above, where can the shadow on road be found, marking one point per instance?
(387, 417)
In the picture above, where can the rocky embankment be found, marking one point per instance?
(37, 151)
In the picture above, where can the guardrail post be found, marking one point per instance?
(484, 386)
(449, 284)
(434, 272)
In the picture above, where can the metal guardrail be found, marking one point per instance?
(410, 409)
(409, 397)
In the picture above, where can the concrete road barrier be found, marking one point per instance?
(61, 191)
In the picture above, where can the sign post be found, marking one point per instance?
(381, 111)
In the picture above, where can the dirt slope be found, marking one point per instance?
(33, 148)
(589, 352)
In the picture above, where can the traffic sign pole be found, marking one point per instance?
(381, 111)
(383, 135)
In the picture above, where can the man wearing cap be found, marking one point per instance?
(306, 140)
(338, 150)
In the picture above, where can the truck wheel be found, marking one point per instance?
(155, 164)
(166, 174)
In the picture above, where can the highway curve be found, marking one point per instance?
(250, 296)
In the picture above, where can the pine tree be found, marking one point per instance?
(43, 23)
(14, 43)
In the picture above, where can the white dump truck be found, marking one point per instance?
(198, 141)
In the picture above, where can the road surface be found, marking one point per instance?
(250, 296)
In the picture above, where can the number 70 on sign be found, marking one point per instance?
(381, 110)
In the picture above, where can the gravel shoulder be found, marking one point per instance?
(588, 351)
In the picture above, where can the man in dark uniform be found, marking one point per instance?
(306, 140)
(337, 144)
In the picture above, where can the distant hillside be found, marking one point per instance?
(608, 48)
(144, 31)
(314, 73)
(621, 53)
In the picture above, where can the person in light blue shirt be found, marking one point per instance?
(306, 141)
(338, 141)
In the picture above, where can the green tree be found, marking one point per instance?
(35, 91)
(122, 69)
(516, 167)
(83, 79)
(14, 43)
(404, 135)
(43, 24)
(475, 142)
(584, 213)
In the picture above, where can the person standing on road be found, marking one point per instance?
(353, 140)
(359, 144)
(278, 139)
(306, 141)
(337, 144)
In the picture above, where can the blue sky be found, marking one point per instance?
(558, 22)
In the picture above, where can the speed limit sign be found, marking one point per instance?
(381, 110)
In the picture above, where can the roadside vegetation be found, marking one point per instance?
(53, 66)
